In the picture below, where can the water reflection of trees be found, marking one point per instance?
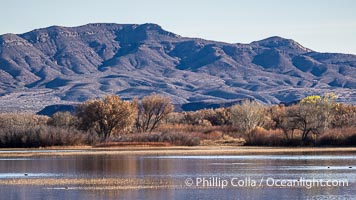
(293, 166)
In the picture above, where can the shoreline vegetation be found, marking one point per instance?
(315, 121)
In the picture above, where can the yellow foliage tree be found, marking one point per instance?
(311, 99)
(313, 114)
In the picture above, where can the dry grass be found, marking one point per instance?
(262, 137)
(224, 140)
(173, 138)
(338, 137)
(96, 183)
(42, 136)
(196, 130)
(28, 130)
(208, 135)
(119, 144)
(188, 128)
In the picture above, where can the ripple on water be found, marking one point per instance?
(260, 157)
(40, 151)
(27, 175)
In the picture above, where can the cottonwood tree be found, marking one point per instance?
(281, 120)
(312, 115)
(63, 119)
(343, 116)
(151, 111)
(248, 116)
(107, 116)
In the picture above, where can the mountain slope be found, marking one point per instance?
(66, 65)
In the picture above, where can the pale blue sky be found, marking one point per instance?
(322, 25)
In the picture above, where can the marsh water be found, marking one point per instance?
(194, 177)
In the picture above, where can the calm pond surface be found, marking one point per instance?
(195, 177)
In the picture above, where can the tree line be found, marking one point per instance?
(112, 116)
(314, 118)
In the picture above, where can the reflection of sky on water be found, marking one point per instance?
(28, 175)
(178, 168)
(262, 157)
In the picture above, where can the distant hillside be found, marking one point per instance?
(62, 65)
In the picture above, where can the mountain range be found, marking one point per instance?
(66, 65)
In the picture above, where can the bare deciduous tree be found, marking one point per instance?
(152, 110)
(63, 119)
(247, 116)
(107, 115)
(281, 120)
